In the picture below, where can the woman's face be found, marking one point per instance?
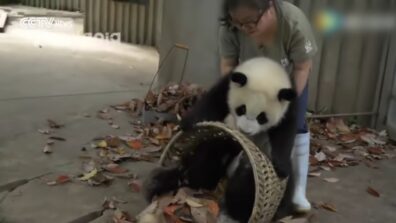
(254, 22)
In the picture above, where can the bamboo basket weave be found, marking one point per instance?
(269, 188)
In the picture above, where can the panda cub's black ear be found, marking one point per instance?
(239, 78)
(287, 94)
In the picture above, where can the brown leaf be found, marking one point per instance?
(349, 138)
(376, 150)
(60, 180)
(313, 161)
(373, 192)
(135, 144)
(328, 207)
(113, 142)
(53, 125)
(135, 185)
(115, 168)
(341, 126)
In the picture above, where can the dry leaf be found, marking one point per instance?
(115, 168)
(135, 185)
(101, 144)
(315, 174)
(113, 142)
(350, 138)
(326, 168)
(135, 144)
(290, 219)
(60, 180)
(373, 192)
(193, 203)
(331, 180)
(213, 208)
(57, 138)
(341, 126)
(89, 175)
(114, 126)
(376, 150)
(44, 131)
(320, 156)
(328, 207)
(47, 149)
(53, 125)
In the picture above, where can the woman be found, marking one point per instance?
(281, 31)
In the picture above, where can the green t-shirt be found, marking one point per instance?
(295, 41)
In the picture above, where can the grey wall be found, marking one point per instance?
(192, 23)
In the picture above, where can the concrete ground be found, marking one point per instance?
(65, 77)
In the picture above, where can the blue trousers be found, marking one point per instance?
(302, 126)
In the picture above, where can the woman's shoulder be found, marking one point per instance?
(293, 15)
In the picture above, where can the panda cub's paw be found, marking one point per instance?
(161, 181)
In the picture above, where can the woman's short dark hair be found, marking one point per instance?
(229, 5)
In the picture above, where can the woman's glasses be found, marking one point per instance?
(248, 25)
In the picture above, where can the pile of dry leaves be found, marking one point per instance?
(173, 99)
(335, 144)
(186, 206)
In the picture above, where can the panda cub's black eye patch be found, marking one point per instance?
(241, 110)
(262, 118)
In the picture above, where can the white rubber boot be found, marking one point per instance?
(300, 162)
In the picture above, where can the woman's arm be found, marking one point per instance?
(300, 73)
(227, 65)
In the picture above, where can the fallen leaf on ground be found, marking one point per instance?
(60, 180)
(115, 168)
(193, 203)
(321, 156)
(290, 219)
(57, 138)
(373, 192)
(331, 180)
(376, 150)
(113, 142)
(89, 175)
(44, 131)
(121, 217)
(328, 207)
(326, 168)
(101, 144)
(135, 144)
(53, 125)
(135, 185)
(47, 149)
(114, 126)
(350, 138)
(315, 174)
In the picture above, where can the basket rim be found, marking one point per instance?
(237, 135)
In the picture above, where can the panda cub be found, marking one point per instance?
(259, 97)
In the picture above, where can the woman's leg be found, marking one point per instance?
(300, 157)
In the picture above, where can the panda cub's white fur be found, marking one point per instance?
(264, 80)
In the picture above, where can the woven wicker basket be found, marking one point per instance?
(269, 188)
